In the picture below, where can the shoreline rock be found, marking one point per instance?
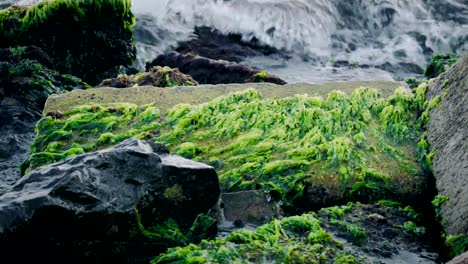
(208, 71)
(83, 209)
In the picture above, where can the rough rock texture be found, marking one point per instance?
(252, 207)
(462, 259)
(25, 84)
(448, 136)
(211, 43)
(168, 98)
(156, 76)
(82, 210)
(208, 71)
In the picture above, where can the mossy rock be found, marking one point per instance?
(24, 75)
(156, 76)
(304, 150)
(83, 37)
(353, 233)
(439, 64)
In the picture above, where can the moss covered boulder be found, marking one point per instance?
(304, 150)
(84, 37)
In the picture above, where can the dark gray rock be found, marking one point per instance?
(26, 80)
(213, 44)
(252, 207)
(83, 209)
(209, 71)
(448, 136)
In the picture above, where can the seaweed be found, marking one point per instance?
(84, 37)
(279, 145)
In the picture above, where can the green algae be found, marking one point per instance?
(361, 142)
(280, 144)
(89, 128)
(440, 63)
(297, 239)
(456, 245)
(333, 235)
(170, 233)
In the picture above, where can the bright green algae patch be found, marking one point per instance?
(360, 141)
(362, 144)
(89, 128)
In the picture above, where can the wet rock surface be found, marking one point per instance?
(249, 207)
(82, 210)
(447, 128)
(378, 235)
(211, 43)
(209, 71)
(25, 83)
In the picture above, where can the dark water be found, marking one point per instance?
(395, 38)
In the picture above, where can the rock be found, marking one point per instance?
(156, 76)
(448, 137)
(208, 71)
(168, 98)
(93, 36)
(212, 44)
(375, 217)
(25, 84)
(82, 210)
(252, 207)
(316, 238)
(462, 259)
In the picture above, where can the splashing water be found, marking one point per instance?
(402, 33)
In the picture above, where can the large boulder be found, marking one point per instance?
(209, 71)
(448, 137)
(84, 210)
(84, 38)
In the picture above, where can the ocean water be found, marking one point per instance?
(392, 38)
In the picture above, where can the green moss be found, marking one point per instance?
(277, 145)
(413, 82)
(456, 245)
(297, 239)
(261, 76)
(440, 63)
(89, 128)
(174, 194)
(30, 81)
(437, 203)
(171, 235)
(337, 212)
(84, 37)
(413, 229)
